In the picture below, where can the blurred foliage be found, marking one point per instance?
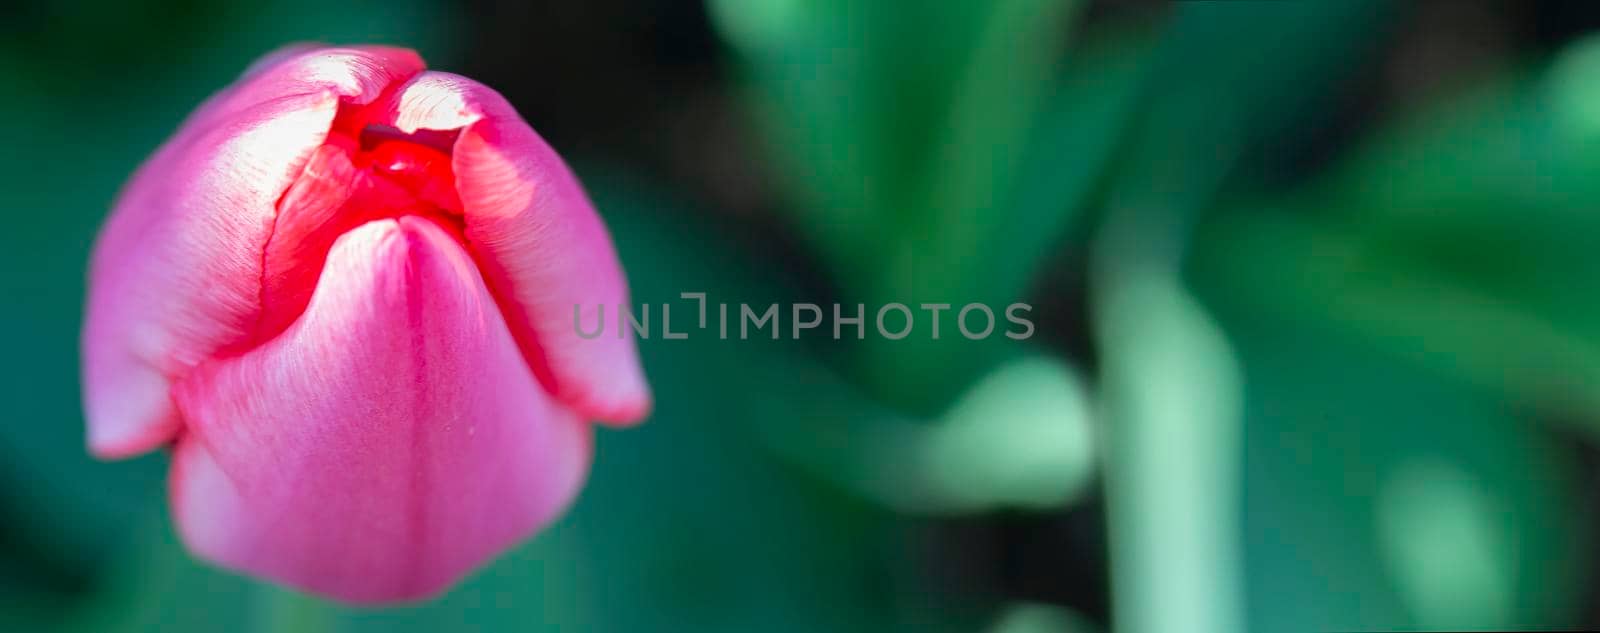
(1363, 396)
(903, 138)
(1337, 437)
(1462, 237)
(1404, 314)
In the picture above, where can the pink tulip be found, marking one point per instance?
(344, 293)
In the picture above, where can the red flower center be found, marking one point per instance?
(362, 172)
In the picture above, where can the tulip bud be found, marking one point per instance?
(342, 293)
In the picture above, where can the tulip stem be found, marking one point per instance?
(1173, 453)
(1171, 388)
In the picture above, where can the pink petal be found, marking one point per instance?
(176, 274)
(389, 441)
(540, 243)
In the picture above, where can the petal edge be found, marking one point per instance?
(541, 245)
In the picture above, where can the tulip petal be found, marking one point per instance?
(390, 440)
(539, 242)
(176, 273)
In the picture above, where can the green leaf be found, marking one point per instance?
(1459, 237)
(1213, 94)
(906, 139)
(1348, 452)
(858, 98)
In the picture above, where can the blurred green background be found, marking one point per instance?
(1316, 288)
